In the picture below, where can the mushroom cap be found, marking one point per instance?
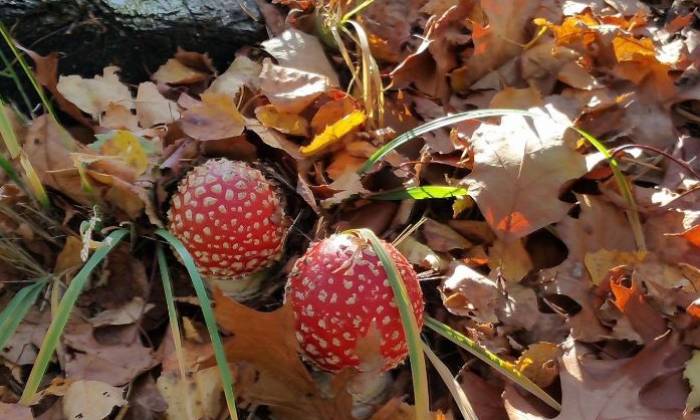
(229, 218)
(338, 291)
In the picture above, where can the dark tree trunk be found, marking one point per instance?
(136, 35)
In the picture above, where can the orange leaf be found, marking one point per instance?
(285, 122)
(333, 133)
(645, 320)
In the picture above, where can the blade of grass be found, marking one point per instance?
(408, 319)
(59, 321)
(505, 368)
(209, 319)
(360, 7)
(17, 309)
(434, 125)
(422, 193)
(6, 166)
(633, 212)
(25, 67)
(465, 407)
(174, 324)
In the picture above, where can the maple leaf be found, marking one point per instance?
(263, 343)
(608, 389)
(519, 170)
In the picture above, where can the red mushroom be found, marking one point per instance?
(229, 218)
(338, 290)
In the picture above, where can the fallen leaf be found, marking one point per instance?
(273, 138)
(692, 374)
(94, 96)
(443, 238)
(589, 385)
(331, 112)
(129, 148)
(511, 258)
(266, 342)
(175, 72)
(539, 363)
(284, 122)
(91, 400)
(69, 257)
(242, 72)
(289, 89)
(197, 397)
(466, 292)
(334, 133)
(152, 108)
(600, 262)
(123, 315)
(301, 51)
(645, 319)
(215, 118)
(15, 412)
(119, 117)
(421, 255)
(519, 170)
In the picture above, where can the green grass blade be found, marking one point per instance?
(6, 166)
(17, 309)
(422, 193)
(434, 125)
(410, 325)
(58, 323)
(209, 319)
(505, 368)
(25, 67)
(174, 323)
(465, 407)
(625, 188)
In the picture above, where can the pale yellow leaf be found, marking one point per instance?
(333, 133)
(91, 400)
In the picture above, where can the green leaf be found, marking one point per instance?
(17, 309)
(422, 193)
(408, 320)
(209, 319)
(434, 125)
(505, 368)
(60, 319)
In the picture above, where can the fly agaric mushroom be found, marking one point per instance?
(229, 218)
(338, 291)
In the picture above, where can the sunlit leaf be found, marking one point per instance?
(333, 133)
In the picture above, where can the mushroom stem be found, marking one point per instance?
(243, 289)
(369, 390)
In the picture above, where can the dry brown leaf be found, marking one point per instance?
(175, 72)
(443, 238)
(511, 259)
(539, 363)
(265, 342)
(91, 400)
(301, 51)
(69, 257)
(497, 42)
(152, 108)
(466, 292)
(519, 170)
(273, 138)
(332, 111)
(284, 122)
(215, 118)
(119, 117)
(242, 72)
(591, 386)
(15, 412)
(94, 96)
(289, 89)
(197, 397)
(600, 262)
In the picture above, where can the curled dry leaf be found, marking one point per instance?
(443, 238)
(539, 363)
(184, 69)
(265, 342)
(242, 72)
(284, 122)
(467, 292)
(519, 170)
(289, 89)
(91, 400)
(94, 96)
(298, 50)
(197, 397)
(153, 108)
(215, 118)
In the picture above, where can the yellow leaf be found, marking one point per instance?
(539, 363)
(692, 374)
(333, 133)
(128, 147)
(600, 262)
(285, 122)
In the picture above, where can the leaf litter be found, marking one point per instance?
(539, 263)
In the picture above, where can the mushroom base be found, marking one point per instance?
(242, 289)
(369, 390)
